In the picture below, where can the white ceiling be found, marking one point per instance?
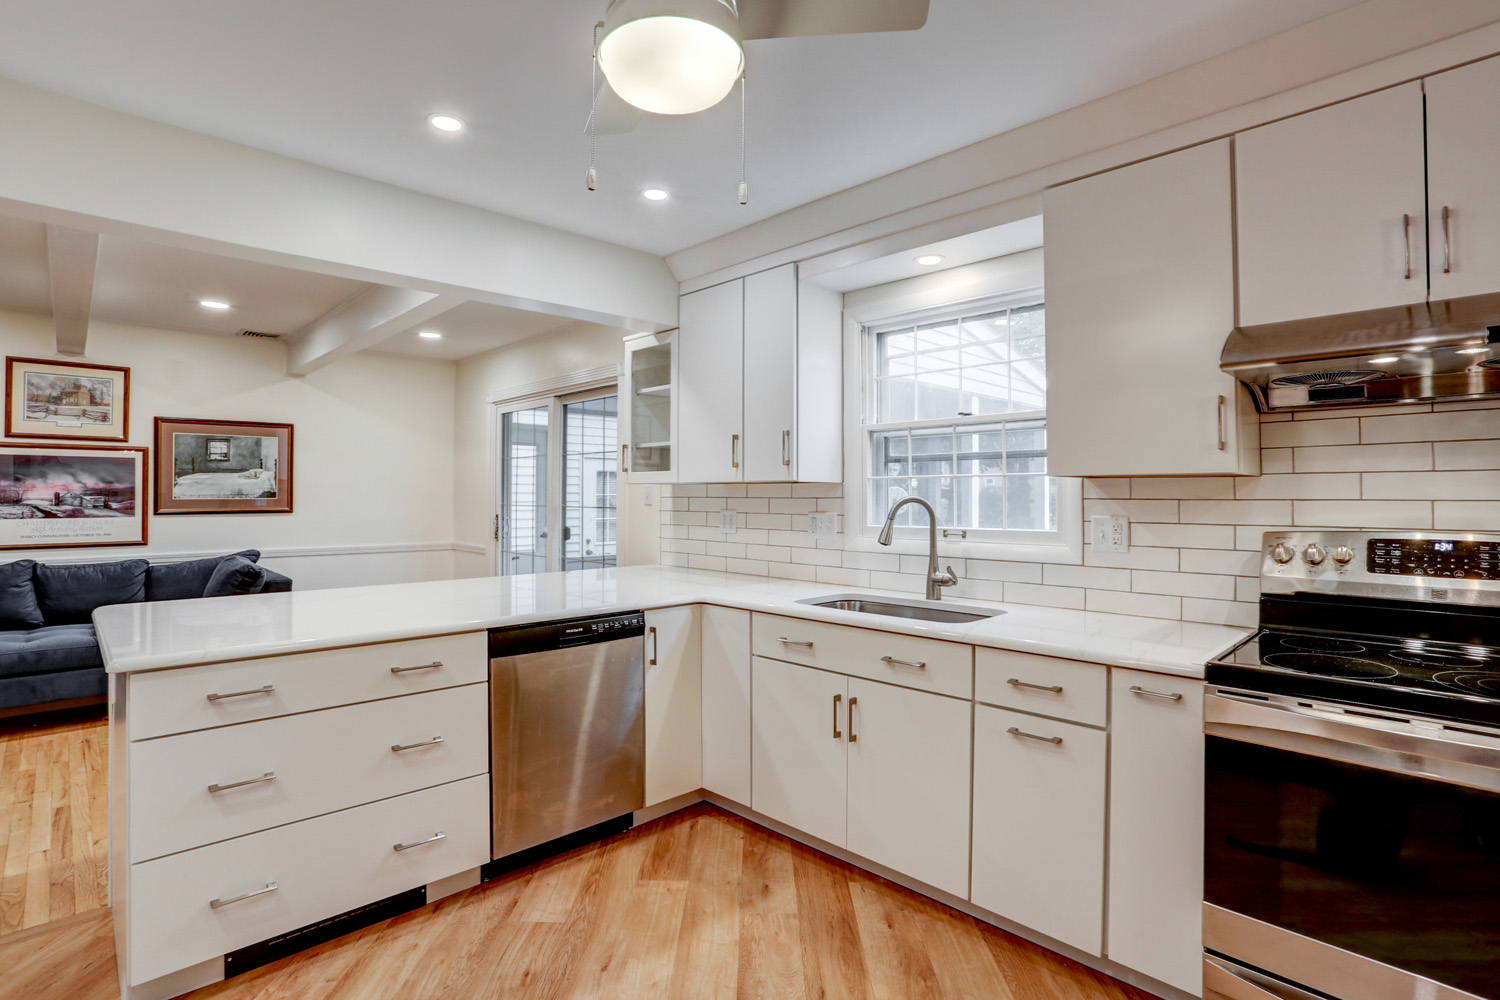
(470, 329)
(347, 83)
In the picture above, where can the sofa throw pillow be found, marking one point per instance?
(235, 575)
(18, 607)
(68, 594)
(184, 580)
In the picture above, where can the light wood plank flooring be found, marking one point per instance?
(53, 822)
(700, 905)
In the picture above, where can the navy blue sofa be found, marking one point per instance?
(49, 657)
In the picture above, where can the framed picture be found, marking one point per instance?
(223, 467)
(66, 399)
(59, 495)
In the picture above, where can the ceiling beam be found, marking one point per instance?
(72, 257)
(372, 316)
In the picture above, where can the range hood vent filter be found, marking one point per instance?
(1345, 377)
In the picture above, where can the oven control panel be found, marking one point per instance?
(1442, 558)
(1456, 567)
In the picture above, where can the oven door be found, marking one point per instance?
(1357, 855)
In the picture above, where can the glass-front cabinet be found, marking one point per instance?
(649, 430)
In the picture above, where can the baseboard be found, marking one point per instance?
(18, 717)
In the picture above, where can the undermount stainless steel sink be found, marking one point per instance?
(890, 607)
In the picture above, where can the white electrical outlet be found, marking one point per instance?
(1109, 534)
(648, 496)
(728, 522)
(823, 525)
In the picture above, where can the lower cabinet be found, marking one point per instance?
(674, 704)
(726, 703)
(800, 774)
(1039, 788)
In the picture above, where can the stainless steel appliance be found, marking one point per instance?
(567, 727)
(1352, 840)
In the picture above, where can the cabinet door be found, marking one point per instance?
(1039, 824)
(1140, 296)
(797, 748)
(1321, 200)
(648, 426)
(674, 704)
(726, 702)
(1463, 146)
(710, 384)
(770, 373)
(909, 782)
(1156, 827)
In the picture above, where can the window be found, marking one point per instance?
(218, 449)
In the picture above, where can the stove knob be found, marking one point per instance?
(1281, 553)
(1314, 554)
(1343, 555)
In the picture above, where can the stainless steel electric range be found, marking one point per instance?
(1352, 839)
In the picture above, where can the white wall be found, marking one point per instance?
(372, 451)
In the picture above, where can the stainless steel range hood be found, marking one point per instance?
(1438, 350)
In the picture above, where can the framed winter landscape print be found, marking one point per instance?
(223, 467)
(66, 399)
(61, 495)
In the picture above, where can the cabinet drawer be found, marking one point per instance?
(905, 660)
(178, 701)
(1046, 685)
(321, 761)
(320, 867)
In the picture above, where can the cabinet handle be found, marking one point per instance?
(268, 776)
(734, 451)
(398, 748)
(786, 448)
(440, 835)
(916, 664)
(624, 458)
(420, 666)
(1406, 235)
(1145, 693)
(269, 887)
(794, 642)
(652, 632)
(241, 694)
(836, 700)
(1223, 440)
(1054, 740)
(852, 738)
(1447, 241)
(1049, 688)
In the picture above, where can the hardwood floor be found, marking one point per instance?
(53, 821)
(700, 905)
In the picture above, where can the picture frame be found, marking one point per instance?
(66, 400)
(222, 467)
(67, 495)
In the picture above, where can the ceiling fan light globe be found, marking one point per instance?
(671, 57)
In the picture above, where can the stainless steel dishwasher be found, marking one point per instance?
(567, 728)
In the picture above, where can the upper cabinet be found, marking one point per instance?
(649, 427)
(1463, 146)
(1140, 296)
(760, 382)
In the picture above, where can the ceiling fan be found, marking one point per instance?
(677, 57)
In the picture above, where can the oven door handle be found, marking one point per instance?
(1446, 755)
(1226, 980)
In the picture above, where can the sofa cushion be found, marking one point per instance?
(49, 650)
(184, 580)
(68, 594)
(18, 607)
(235, 575)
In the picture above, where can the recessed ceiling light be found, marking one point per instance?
(654, 194)
(446, 123)
(1387, 359)
(430, 335)
(213, 304)
(931, 259)
(1471, 350)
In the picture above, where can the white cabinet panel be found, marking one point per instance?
(906, 660)
(1039, 824)
(710, 394)
(770, 373)
(726, 703)
(799, 773)
(648, 410)
(1140, 296)
(1046, 685)
(1463, 147)
(1321, 199)
(909, 782)
(674, 704)
(1156, 827)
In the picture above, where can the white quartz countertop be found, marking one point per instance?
(153, 636)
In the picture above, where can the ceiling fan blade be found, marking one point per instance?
(793, 18)
(612, 115)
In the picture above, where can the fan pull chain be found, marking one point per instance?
(744, 183)
(593, 176)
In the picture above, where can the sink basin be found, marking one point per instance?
(890, 607)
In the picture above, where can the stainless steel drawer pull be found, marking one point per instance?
(1143, 692)
(440, 835)
(1049, 688)
(1054, 740)
(794, 642)
(413, 746)
(269, 887)
(241, 694)
(420, 666)
(268, 776)
(917, 664)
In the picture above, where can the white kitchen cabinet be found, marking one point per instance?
(908, 782)
(1463, 146)
(1156, 827)
(648, 421)
(799, 764)
(710, 391)
(1140, 296)
(1331, 209)
(674, 704)
(726, 702)
(1039, 824)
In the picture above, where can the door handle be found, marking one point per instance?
(1233, 981)
(399, 748)
(836, 700)
(915, 664)
(786, 448)
(734, 451)
(420, 666)
(267, 689)
(440, 835)
(268, 776)
(1147, 693)
(1054, 740)
(624, 458)
(852, 738)
(1406, 235)
(1223, 440)
(1447, 241)
(1049, 688)
(652, 632)
(269, 887)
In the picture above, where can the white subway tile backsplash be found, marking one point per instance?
(1301, 486)
(1116, 602)
(1458, 425)
(1411, 514)
(1086, 576)
(1197, 488)
(1052, 597)
(1183, 536)
(1220, 562)
(1220, 612)
(1236, 511)
(1183, 584)
(1466, 455)
(1010, 572)
(1432, 485)
(1102, 489)
(1135, 510)
(1276, 460)
(1138, 557)
(1466, 515)
(1306, 433)
(1415, 456)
